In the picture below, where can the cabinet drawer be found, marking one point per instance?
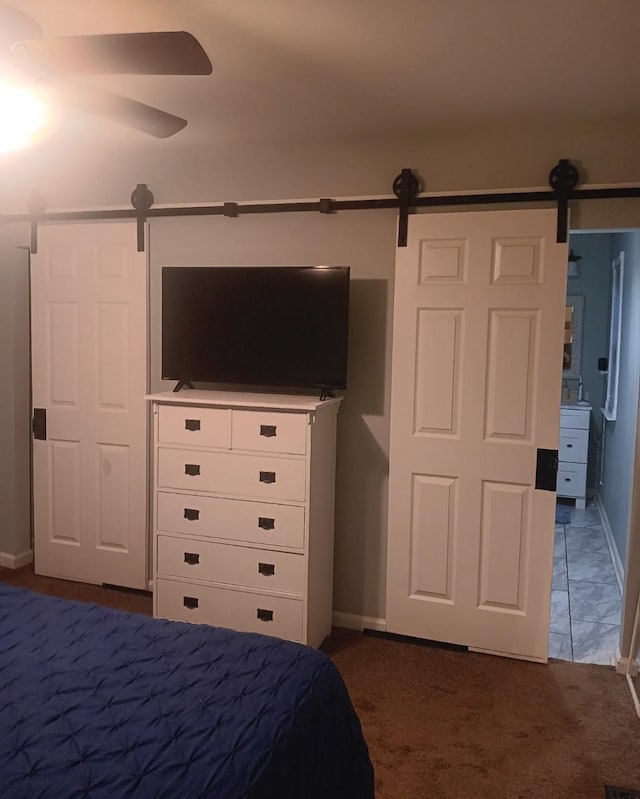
(575, 418)
(573, 445)
(279, 572)
(234, 519)
(224, 607)
(226, 473)
(202, 427)
(572, 479)
(269, 432)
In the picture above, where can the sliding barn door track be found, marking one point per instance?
(563, 188)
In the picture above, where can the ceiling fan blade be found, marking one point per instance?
(14, 25)
(155, 53)
(118, 108)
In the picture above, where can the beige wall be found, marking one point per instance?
(15, 535)
(76, 177)
(367, 246)
(71, 174)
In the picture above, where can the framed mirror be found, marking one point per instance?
(572, 351)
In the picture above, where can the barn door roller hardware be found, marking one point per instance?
(142, 200)
(406, 188)
(563, 179)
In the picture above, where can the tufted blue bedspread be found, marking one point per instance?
(98, 703)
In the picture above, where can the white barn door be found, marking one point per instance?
(476, 385)
(90, 375)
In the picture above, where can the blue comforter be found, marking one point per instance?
(98, 703)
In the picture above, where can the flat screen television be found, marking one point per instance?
(263, 326)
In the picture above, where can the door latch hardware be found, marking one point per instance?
(39, 424)
(546, 469)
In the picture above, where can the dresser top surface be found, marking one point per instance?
(575, 406)
(237, 399)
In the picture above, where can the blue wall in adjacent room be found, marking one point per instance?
(594, 284)
(620, 436)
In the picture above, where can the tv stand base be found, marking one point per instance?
(183, 384)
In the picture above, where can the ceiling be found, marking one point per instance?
(293, 70)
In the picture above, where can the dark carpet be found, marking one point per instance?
(447, 724)
(129, 601)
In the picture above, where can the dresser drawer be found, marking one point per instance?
(225, 473)
(223, 607)
(200, 427)
(267, 570)
(269, 432)
(573, 445)
(233, 519)
(571, 479)
(570, 417)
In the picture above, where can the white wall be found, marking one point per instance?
(78, 177)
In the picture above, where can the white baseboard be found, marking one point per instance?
(16, 561)
(622, 664)
(353, 621)
(613, 549)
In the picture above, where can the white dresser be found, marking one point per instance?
(244, 511)
(573, 452)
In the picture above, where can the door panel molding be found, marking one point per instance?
(476, 382)
(89, 310)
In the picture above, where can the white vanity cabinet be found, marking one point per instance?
(573, 451)
(243, 507)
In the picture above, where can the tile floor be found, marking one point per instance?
(585, 596)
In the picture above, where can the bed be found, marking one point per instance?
(99, 703)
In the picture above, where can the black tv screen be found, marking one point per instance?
(259, 326)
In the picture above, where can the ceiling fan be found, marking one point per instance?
(56, 60)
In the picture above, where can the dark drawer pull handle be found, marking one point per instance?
(192, 558)
(265, 615)
(191, 514)
(192, 469)
(190, 602)
(266, 569)
(569, 446)
(267, 477)
(567, 479)
(268, 430)
(192, 424)
(266, 523)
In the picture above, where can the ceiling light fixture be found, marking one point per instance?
(23, 115)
